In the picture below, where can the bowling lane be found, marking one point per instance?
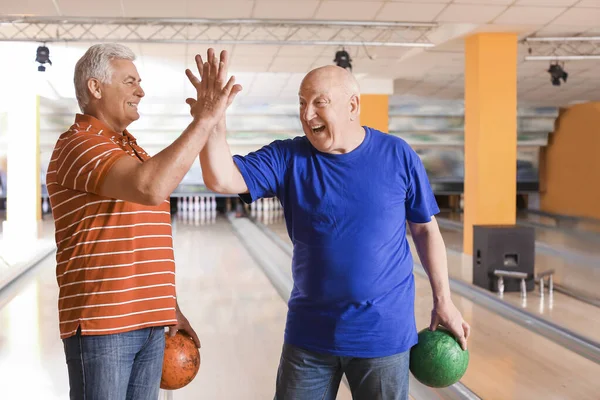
(507, 360)
(237, 314)
(235, 310)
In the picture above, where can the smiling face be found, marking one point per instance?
(328, 108)
(116, 102)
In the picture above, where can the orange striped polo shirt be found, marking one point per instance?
(115, 263)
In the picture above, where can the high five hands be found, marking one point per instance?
(213, 95)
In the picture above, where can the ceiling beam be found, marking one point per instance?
(573, 48)
(216, 31)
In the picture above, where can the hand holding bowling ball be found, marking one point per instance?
(181, 361)
(438, 360)
(446, 314)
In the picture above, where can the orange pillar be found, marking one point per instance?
(374, 111)
(490, 132)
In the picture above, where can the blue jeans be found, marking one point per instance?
(306, 375)
(115, 367)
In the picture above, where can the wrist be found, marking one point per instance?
(202, 125)
(440, 299)
(220, 126)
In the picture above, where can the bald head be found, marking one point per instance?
(331, 78)
(330, 109)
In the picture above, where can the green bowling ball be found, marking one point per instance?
(437, 360)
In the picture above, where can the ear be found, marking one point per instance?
(95, 88)
(354, 107)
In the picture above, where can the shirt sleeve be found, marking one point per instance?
(84, 161)
(421, 204)
(263, 171)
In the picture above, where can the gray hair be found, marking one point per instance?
(95, 63)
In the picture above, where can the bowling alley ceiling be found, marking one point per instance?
(272, 69)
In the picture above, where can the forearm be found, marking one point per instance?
(161, 174)
(432, 253)
(219, 172)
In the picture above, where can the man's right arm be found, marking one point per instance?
(219, 171)
(152, 181)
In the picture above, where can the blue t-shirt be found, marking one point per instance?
(353, 292)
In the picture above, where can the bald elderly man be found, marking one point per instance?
(347, 191)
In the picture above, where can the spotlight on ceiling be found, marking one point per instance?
(556, 74)
(42, 57)
(342, 59)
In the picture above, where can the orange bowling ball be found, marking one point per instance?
(181, 361)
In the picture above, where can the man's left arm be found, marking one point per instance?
(432, 253)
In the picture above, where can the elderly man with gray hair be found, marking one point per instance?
(110, 201)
